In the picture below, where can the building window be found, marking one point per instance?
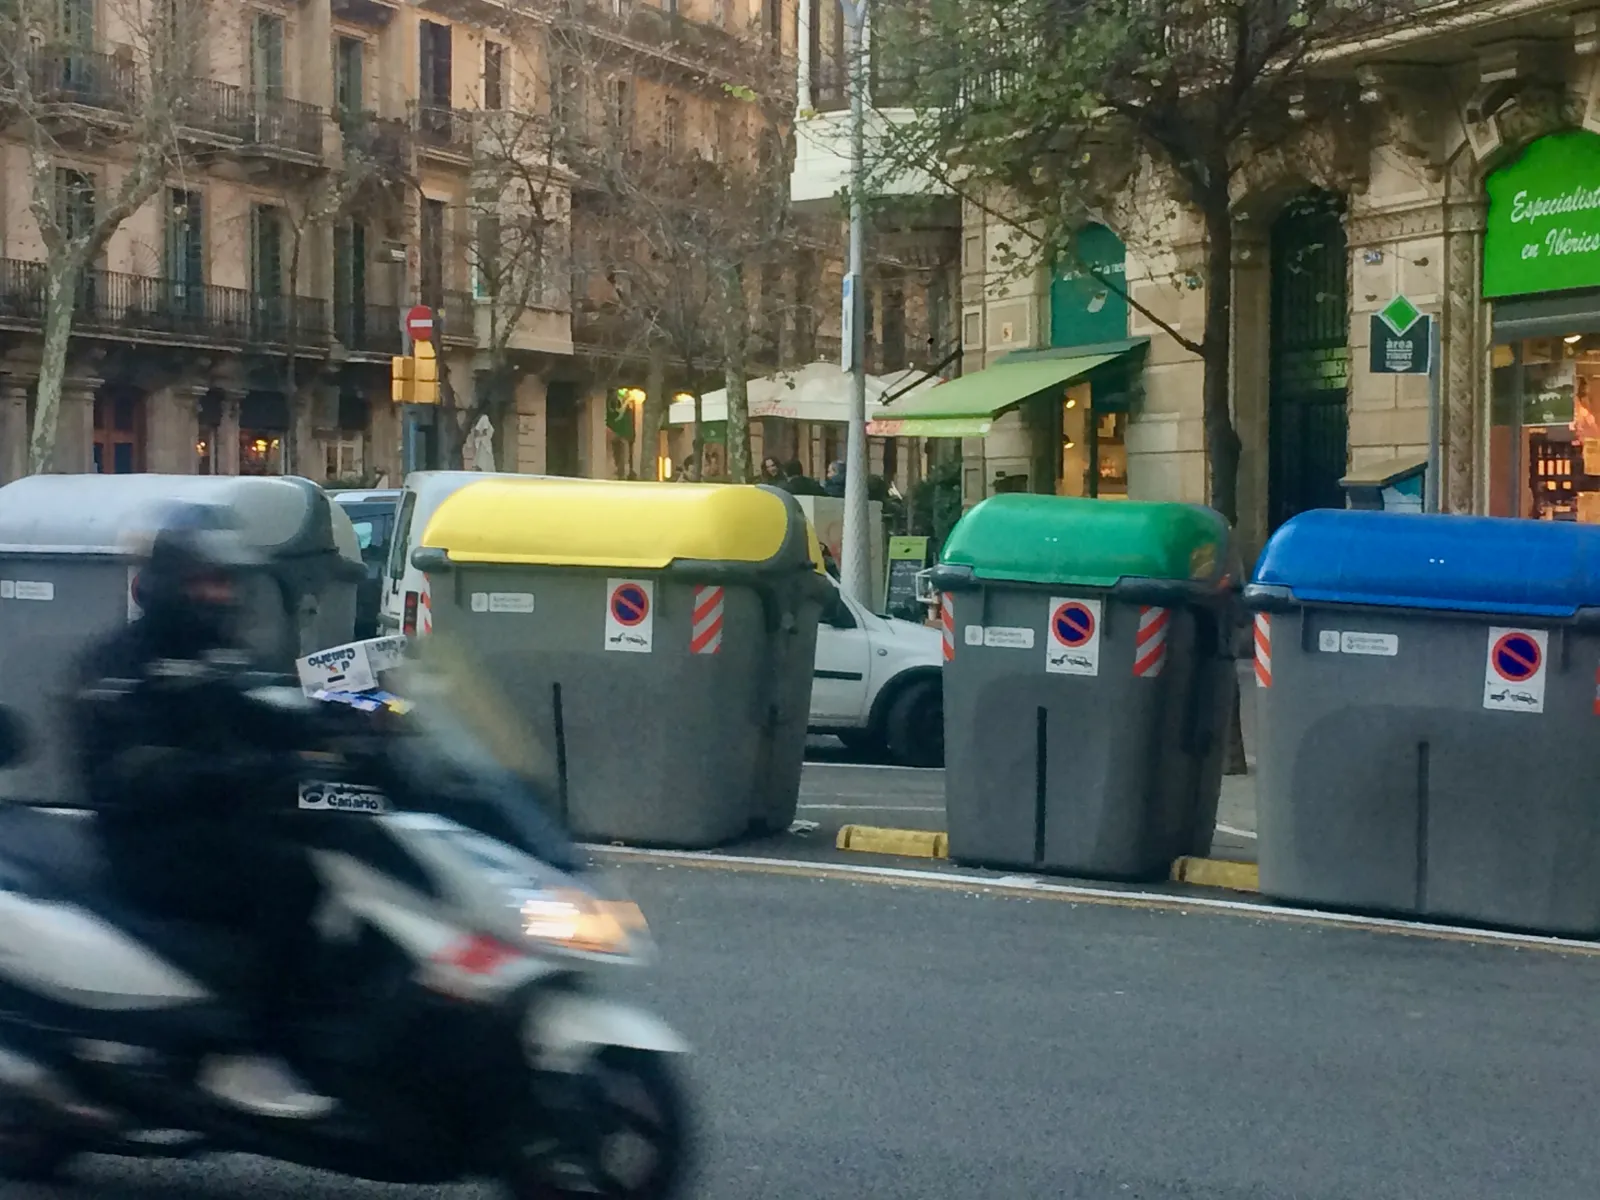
(432, 254)
(348, 68)
(671, 124)
(972, 329)
(486, 257)
(435, 82)
(494, 87)
(345, 457)
(266, 261)
(185, 250)
(266, 56)
(75, 202)
(620, 111)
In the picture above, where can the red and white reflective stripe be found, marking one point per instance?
(947, 623)
(1263, 650)
(424, 611)
(1150, 644)
(705, 636)
(1597, 691)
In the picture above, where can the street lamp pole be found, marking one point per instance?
(856, 551)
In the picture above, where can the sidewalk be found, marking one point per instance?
(1236, 808)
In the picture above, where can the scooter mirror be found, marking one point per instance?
(13, 738)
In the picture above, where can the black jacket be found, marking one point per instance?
(164, 737)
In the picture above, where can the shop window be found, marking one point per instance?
(210, 427)
(119, 433)
(1544, 443)
(263, 429)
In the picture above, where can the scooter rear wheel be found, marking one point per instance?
(639, 1146)
(31, 1151)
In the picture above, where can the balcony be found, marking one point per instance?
(275, 125)
(383, 141)
(115, 304)
(445, 131)
(458, 318)
(67, 75)
(368, 328)
(219, 109)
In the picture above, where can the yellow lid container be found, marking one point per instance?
(634, 525)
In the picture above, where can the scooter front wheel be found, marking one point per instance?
(634, 1142)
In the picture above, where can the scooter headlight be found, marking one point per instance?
(574, 920)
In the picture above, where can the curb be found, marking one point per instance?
(908, 843)
(1218, 873)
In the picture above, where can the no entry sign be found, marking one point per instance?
(419, 323)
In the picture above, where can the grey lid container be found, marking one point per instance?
(68, 555)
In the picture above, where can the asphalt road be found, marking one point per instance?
(859, 1041)
(837, 788)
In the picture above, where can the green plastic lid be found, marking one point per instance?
(1094, 543)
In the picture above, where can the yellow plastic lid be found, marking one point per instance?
(592, 523)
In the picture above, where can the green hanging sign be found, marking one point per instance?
(1543, 232)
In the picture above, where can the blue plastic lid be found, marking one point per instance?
(1458, 564)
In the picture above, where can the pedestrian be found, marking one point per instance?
(835, 484)
(771, 470)
(689, 472)
(798, 482)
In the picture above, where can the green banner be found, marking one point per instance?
(1543, 231)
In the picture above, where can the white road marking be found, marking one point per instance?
(1232, 832)
(851, 766)
(1033, 886)
(934, 808)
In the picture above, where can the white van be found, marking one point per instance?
(404, 604)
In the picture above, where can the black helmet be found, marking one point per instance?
(193, 572)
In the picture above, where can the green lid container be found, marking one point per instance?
(1028, 539)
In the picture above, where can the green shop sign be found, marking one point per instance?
(1544, 218)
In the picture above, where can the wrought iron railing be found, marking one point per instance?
(368, 328)
(443, 128)
(60, 74)
(278, 123)
(119, 303)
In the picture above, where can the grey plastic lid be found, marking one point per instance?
(106, 514)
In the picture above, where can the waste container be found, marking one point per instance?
(67, 576)
(1428, 713)
(1087, 684)
(660, 638)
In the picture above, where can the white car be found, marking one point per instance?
(878, 684)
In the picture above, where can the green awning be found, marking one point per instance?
(929, 427)
(967, 406)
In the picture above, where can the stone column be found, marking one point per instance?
(75, 425)
(225, 455)
(1463, 380)
(14, 431)
(173, 423)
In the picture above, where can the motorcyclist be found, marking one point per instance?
(178, 760)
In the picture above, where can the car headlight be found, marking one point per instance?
(579, 922)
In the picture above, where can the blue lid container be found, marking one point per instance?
(1449, 563)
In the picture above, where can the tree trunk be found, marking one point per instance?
(1222, 441)
(60, 297)
(735, 339)
(698, 456)
(652, 414)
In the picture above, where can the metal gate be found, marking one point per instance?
(1308, 422)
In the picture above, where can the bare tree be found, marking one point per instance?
(70, 104)
(1048, 116)
(517, 241)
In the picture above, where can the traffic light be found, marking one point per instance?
(414, 378)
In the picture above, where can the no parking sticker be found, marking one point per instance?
(630, 615)
(1513, 676)
(1073, 647)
